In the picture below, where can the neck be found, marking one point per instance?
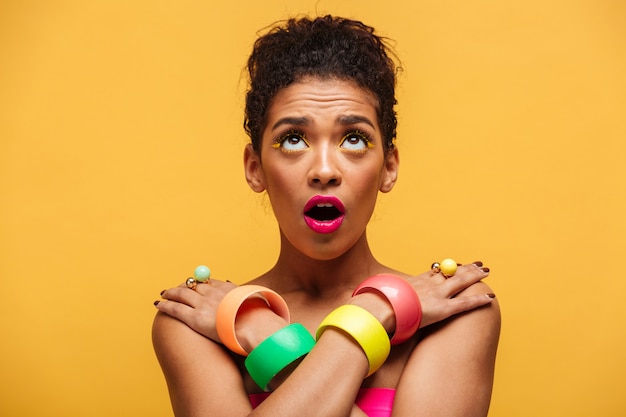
(296, 271)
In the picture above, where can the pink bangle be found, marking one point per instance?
(403, 299)
(229, 307)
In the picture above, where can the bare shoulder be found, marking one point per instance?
(196, 369)
(178, 348)
(454, 358)
(178, 345)
(169, 334)
(483, 322)
(490, 311)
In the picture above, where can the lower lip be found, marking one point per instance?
(326, 226)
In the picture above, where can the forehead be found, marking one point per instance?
(323, 98)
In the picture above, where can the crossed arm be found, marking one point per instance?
(449, 372)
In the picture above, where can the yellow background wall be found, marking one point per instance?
(120, 171)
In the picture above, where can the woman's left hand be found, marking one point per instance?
(439, 296)
(196, 308)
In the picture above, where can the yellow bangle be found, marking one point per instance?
(363, 327)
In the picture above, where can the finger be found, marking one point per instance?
(203, 288)
(175, 309)
(215, 286)
(456, 306)
(182, 295)
(467, 275)
(473, 266)
(466, 303)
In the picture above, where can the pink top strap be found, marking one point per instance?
(375, 402)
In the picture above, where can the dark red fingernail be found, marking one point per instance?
(458, 264)
(162, 292)
(229, 281)
(491, 295)
(156, 303)
(485, 269)
(478, 263)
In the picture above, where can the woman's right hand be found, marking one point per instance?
(196, 308)
(443, 297)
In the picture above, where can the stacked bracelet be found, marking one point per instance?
(364, 328)
(403, 299)
(226, 314)
(277, 352)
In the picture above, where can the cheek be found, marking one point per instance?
(276, 179)
(368, 177)
(282, 185)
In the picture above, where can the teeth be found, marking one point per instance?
(324, 205)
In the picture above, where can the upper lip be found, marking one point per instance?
(322, 200)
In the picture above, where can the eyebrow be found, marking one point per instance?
(354, 119)
(295, 121)
(304, 121)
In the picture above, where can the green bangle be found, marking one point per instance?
(364, 328)
(278, 351)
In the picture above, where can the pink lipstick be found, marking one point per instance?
(324, 213)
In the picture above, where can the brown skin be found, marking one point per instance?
(446, 369)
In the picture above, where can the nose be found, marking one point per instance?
(324, 168)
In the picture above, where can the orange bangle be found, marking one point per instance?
(229, 307)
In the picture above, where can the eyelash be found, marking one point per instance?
(366, 137)
(281, 138)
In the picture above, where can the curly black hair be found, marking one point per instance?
(323, 47)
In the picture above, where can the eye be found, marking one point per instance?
(291, 141)
(356, 141)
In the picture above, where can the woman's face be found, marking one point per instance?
(322, 163)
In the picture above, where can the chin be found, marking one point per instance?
(328, 250)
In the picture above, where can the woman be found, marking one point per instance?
(320, 115)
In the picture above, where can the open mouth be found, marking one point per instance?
(324, 214)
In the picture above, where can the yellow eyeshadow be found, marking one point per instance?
(363, 136)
